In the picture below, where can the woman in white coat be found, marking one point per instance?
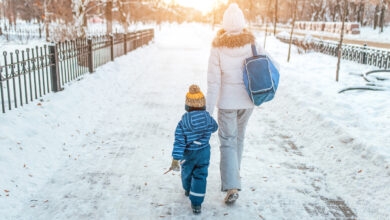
(227, 91)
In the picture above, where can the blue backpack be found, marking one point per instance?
(261, 78)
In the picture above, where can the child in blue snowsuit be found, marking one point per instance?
(192, 147)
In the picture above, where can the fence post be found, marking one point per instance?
(380, 59)
(112, 47)
(137, 39)
(90, 56)
(152, 35)
(1, 90)
(142, 38)
(133, 41)
(365, 54)
(125, 43)
(54, 68)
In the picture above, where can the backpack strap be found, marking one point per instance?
(254, 51)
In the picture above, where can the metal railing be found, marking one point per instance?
(29, 74)
(360, 54)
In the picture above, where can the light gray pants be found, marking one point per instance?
(232, 125)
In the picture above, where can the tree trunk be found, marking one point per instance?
(292, 30)
(14, 14)
(346, 16)
(361, 13)
(2, 11)
(126, 26)
(250, 17)
(340, 47)
(124, 14)
(11, 11)
(85, 24)
(47, 32)
(109, 17)
(266, 22)
(46, 20)
(336, 8)
(302, 13)
(275, 16)
(382, 17)
(376, 16)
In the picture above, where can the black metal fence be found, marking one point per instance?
(30, 74)
(360, 54)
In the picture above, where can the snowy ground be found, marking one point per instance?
(98, 149)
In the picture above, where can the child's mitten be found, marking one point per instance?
(175, 165)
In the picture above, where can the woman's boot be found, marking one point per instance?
(231, 196)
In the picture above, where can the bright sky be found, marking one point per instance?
(202, 5)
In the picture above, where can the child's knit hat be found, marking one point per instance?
(195, 97)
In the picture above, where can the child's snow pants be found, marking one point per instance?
(194, 173)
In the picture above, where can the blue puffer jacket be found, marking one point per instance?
(193, 132)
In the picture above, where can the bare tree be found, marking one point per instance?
(10, 11)
(275, 16)
(382, 15)
(79, 9)
(318, 8)
(340, 47)
(266, 21)
(46, 19)
(292, 29)
(124, 13)
(361, 12)
(108, 14)
(301, 12)
(376, 16)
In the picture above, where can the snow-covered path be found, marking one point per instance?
(104, 156)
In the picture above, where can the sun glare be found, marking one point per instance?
(202, 5)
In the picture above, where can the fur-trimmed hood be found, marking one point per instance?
(233, 40)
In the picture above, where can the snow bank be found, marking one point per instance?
(363, 113)
(366, 33)
(348, 132)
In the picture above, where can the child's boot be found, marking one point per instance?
(196, 209)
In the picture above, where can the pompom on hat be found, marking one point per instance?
(195, 98)
(233, 19)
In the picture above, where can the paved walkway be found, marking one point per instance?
(118, 173)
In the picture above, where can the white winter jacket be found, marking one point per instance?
(225, 82)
